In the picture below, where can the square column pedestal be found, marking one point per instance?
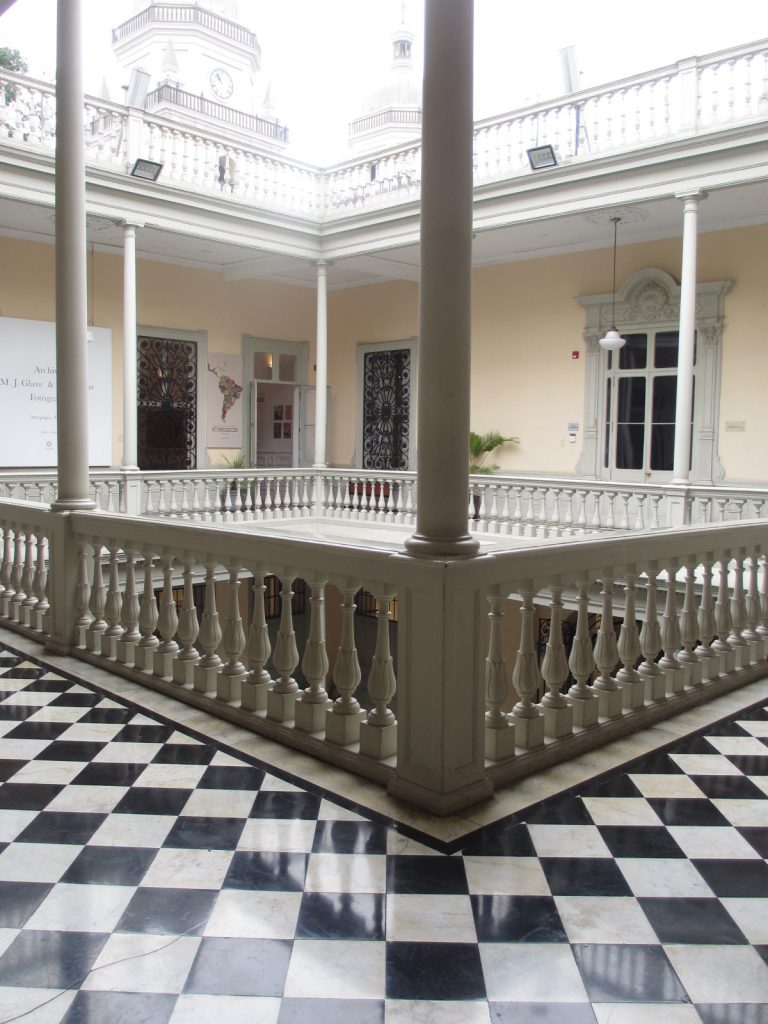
(311, 717)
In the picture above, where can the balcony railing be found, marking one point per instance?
(186, 14)
(693, 97)
(218, 111)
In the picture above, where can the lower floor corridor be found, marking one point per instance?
(153, 873)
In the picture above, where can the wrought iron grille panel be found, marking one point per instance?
(386, 409)
(167, 403)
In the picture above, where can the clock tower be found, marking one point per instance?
(203, 66)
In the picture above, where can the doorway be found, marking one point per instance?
(167, 390)
(386, 410)
(276, 372)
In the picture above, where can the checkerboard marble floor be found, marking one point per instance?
(149, 874)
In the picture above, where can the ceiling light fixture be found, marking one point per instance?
(612, 340)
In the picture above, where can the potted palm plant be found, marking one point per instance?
(236, 462)
(481, 446)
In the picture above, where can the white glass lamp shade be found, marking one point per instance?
(612, 340)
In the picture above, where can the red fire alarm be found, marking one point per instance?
(575, 355)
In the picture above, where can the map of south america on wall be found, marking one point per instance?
(225, 389)
(28, 394)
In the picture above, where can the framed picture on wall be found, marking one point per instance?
(278, 413)
(286, 430)
(288, 412)
(278, 431)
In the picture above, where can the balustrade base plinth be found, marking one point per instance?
(162, 665)
(694, 676)
(126, 652)
(5, 607)
(184, 671)
(343, 730)
(633, 693)
(674, 680)
(26, 616)
(742, 655)
(655, 686)
(586, 711)
(529, 732)
(94, 641)
(109, 647)
(378, 741)
(311, 717)
(253, 696)
(228, 686)
(500, 742)
(558, 722)
(205, 678)
(144, 659)
(281, 707)
(610, 702)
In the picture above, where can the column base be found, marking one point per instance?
(585, 710)
(441, 803)
(378, 741)
(420, 546)
(558, 722)
(343, 730)
(311, 717)
(529, 732)
(281, 707)
(500, 743)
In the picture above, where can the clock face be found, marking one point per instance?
(221, 83)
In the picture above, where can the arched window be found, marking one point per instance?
(629, 398)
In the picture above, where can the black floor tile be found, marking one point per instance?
(584, 876)
(434, 970)
(105, 716)
(108, 773)
(341, 916)
(731, 787)
(71, 750)
(423, 874)
(332, 1011)
(692, 921)
(32, 730)
(657, 763)
(25, 673)
(27, 796)
(624, 973)
(76, 700)
(275, 872)
(148, 800)
(8, 768)
(61, 827)
(233, 777)
(191, 833)
(48, 959)
(350, 837)
(184, 753)
(144, 734)
(750, 764)
(639, 841)
(511, 841)
(517, 919)
(240, 967)
(120, 1008)
(612, 785)
(43, 685)
(110, 865)
(560, 810)
(694, 745)
(687, 812)
(168, 911)
(285, 805)
(735, 877)
(732, 1013)
(19, 901)
(757, 838)
(17, 712)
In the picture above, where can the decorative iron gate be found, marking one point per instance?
(167, 404)
(386, 409)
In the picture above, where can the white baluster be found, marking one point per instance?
(607, 655)
(738, 607)
(189, 627)
(558, 714)
(167, 624)
(207, 669)
(17, 575)
(148, 617)
(689, 629)
(650, 642)
(526, 679)
(254, 688)
(581, 696)
(40, 586)
(28, 577)
(670, 636)
(499, 729)
(281, 699)
(723, 620)
(378, 733)
(343, 719)
(98, 623)
(233, 637)
(113, 607)
(710, 660)
(314, 702)
(82, 597)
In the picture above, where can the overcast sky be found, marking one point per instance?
(321, 55)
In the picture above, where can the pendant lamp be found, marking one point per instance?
(612, 341)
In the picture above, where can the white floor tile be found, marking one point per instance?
(171, 776)
(751, 915)
(645, 1013)
(705, 764)
(13, 823)
(711, 843)
(81, 908)
(188, 869)
(524, 972)
(219, 803)
(276, 835)
(225, 1010)
(320, 967)
(568, 841)
(149, 963)
(676, 787)
(614, 919)
(420, 918)
(744, 813)
(423, 1011)
(506, 876)
(739, 745)
(720, 974)
(657, 877)
(329, 811)
(361, 872)
(31, 698)
(149, 830)
(52, 773)
(619, 810)
(132, 753)
(96, 799)
(91, 732)
(254, 915)
(58, 714)
(36, 862)
(52, 1004)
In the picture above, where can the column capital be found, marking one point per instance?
(132, 223)
(323, 264)
(692, 194)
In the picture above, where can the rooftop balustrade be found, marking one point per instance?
(690, 98)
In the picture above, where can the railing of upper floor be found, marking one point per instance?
(533, 506)
(691, 97)
(189, 14)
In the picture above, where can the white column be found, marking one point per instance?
(681, 465)
(444, 295)
(130, 431)
(71, 277)
(321, 362)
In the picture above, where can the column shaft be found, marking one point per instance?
(321, 362)
(71, 273)
(681, 464)
(130, 415)
(444, 297)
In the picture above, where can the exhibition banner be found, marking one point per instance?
(225, 391)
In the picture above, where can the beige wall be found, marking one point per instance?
(526, 325)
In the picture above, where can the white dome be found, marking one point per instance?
(401, 87)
